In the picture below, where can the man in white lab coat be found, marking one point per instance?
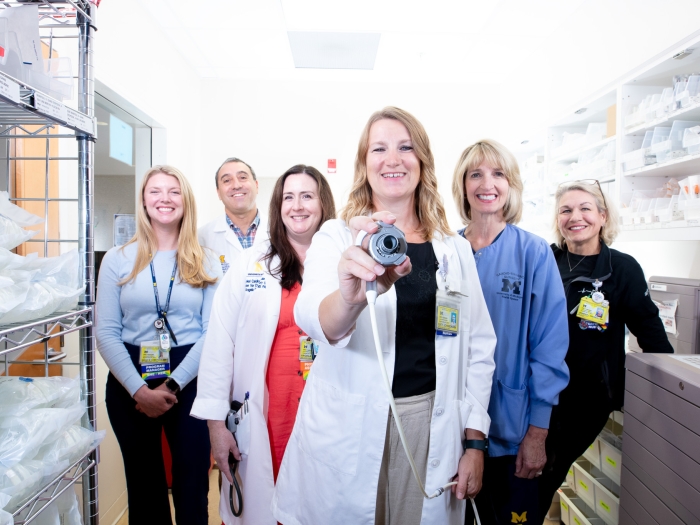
(241, 226)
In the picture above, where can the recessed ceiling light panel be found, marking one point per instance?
(326, 50)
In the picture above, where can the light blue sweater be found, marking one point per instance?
(125, 314)
(525, 298)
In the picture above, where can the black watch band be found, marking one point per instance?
(172, 385)
(479, 444)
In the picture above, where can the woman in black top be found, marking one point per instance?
(585, 226)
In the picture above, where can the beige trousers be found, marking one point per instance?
(399, 499)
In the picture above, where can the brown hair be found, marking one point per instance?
(289, 271)
(429, 207)
(190, 255)
(498, 156)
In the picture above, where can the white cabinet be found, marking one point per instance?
(639, 137)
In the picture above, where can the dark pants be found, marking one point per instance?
(505, 499)
(577, 420)
(139, 438)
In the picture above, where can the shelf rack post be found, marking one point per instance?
(86, 144)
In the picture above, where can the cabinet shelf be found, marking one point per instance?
(681, 167)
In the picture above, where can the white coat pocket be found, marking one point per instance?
(243, 434)
(330, 425)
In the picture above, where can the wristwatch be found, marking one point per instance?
(479, 444)
(172, 385)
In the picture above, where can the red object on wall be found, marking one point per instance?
(331, 165)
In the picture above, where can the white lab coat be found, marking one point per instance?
(330, 469)
(234, 359)
(219, 237)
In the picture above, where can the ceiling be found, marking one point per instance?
(437, 40)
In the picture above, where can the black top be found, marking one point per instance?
(414, 369)
(596, 357)
(582, 266)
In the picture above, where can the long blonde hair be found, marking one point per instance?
(190, 255)
(429, 207)
(498, 156)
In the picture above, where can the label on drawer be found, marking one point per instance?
(585, 487)
(9, 89)
(659, 287)
(611, 461)
(604, 506)
(571, 472)
(563, 505)
(50, 106)
(576, 521)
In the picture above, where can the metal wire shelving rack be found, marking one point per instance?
(27, 113)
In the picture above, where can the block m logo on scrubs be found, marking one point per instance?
(513, 287)
(522, 518)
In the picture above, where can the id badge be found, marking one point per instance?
(308, 349)
(589, 310)
(153, 360)
(446, 314)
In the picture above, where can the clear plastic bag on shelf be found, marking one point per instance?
(5, 517)
(11, 235)
(70, 446)
(21, 394)
(42, 286)
(19, 215)
(20, 482)
(63, 511)
(12, 261)
(21, 437)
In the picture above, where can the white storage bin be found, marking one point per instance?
(585, 482)
(611, 458)
(663, 212)
(691, 140)
(672, 148)
(667, 103)
(687, 92)
(636, 159)
(574, 511)
(592, 453)
(650, 112)
(607, 501)
(565, 496)
(570, 478)
(595, 132)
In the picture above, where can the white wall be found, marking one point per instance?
(133, 58)
(274, 125)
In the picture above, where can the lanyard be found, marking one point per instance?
(163, 313)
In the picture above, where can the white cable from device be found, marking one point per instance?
(371, 294)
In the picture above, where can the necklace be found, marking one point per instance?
(569, 261)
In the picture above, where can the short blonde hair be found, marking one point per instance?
(429, 206)
(611, 226)
(190, 255)
(498, 156)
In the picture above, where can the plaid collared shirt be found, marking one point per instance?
(248, 238)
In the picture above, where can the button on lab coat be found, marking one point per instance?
(330, 469)
(218, 236)
(234, 359)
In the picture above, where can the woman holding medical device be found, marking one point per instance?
(254, 350)
(345, 460)
(522, 289)
(153, 304)
(605, 291)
